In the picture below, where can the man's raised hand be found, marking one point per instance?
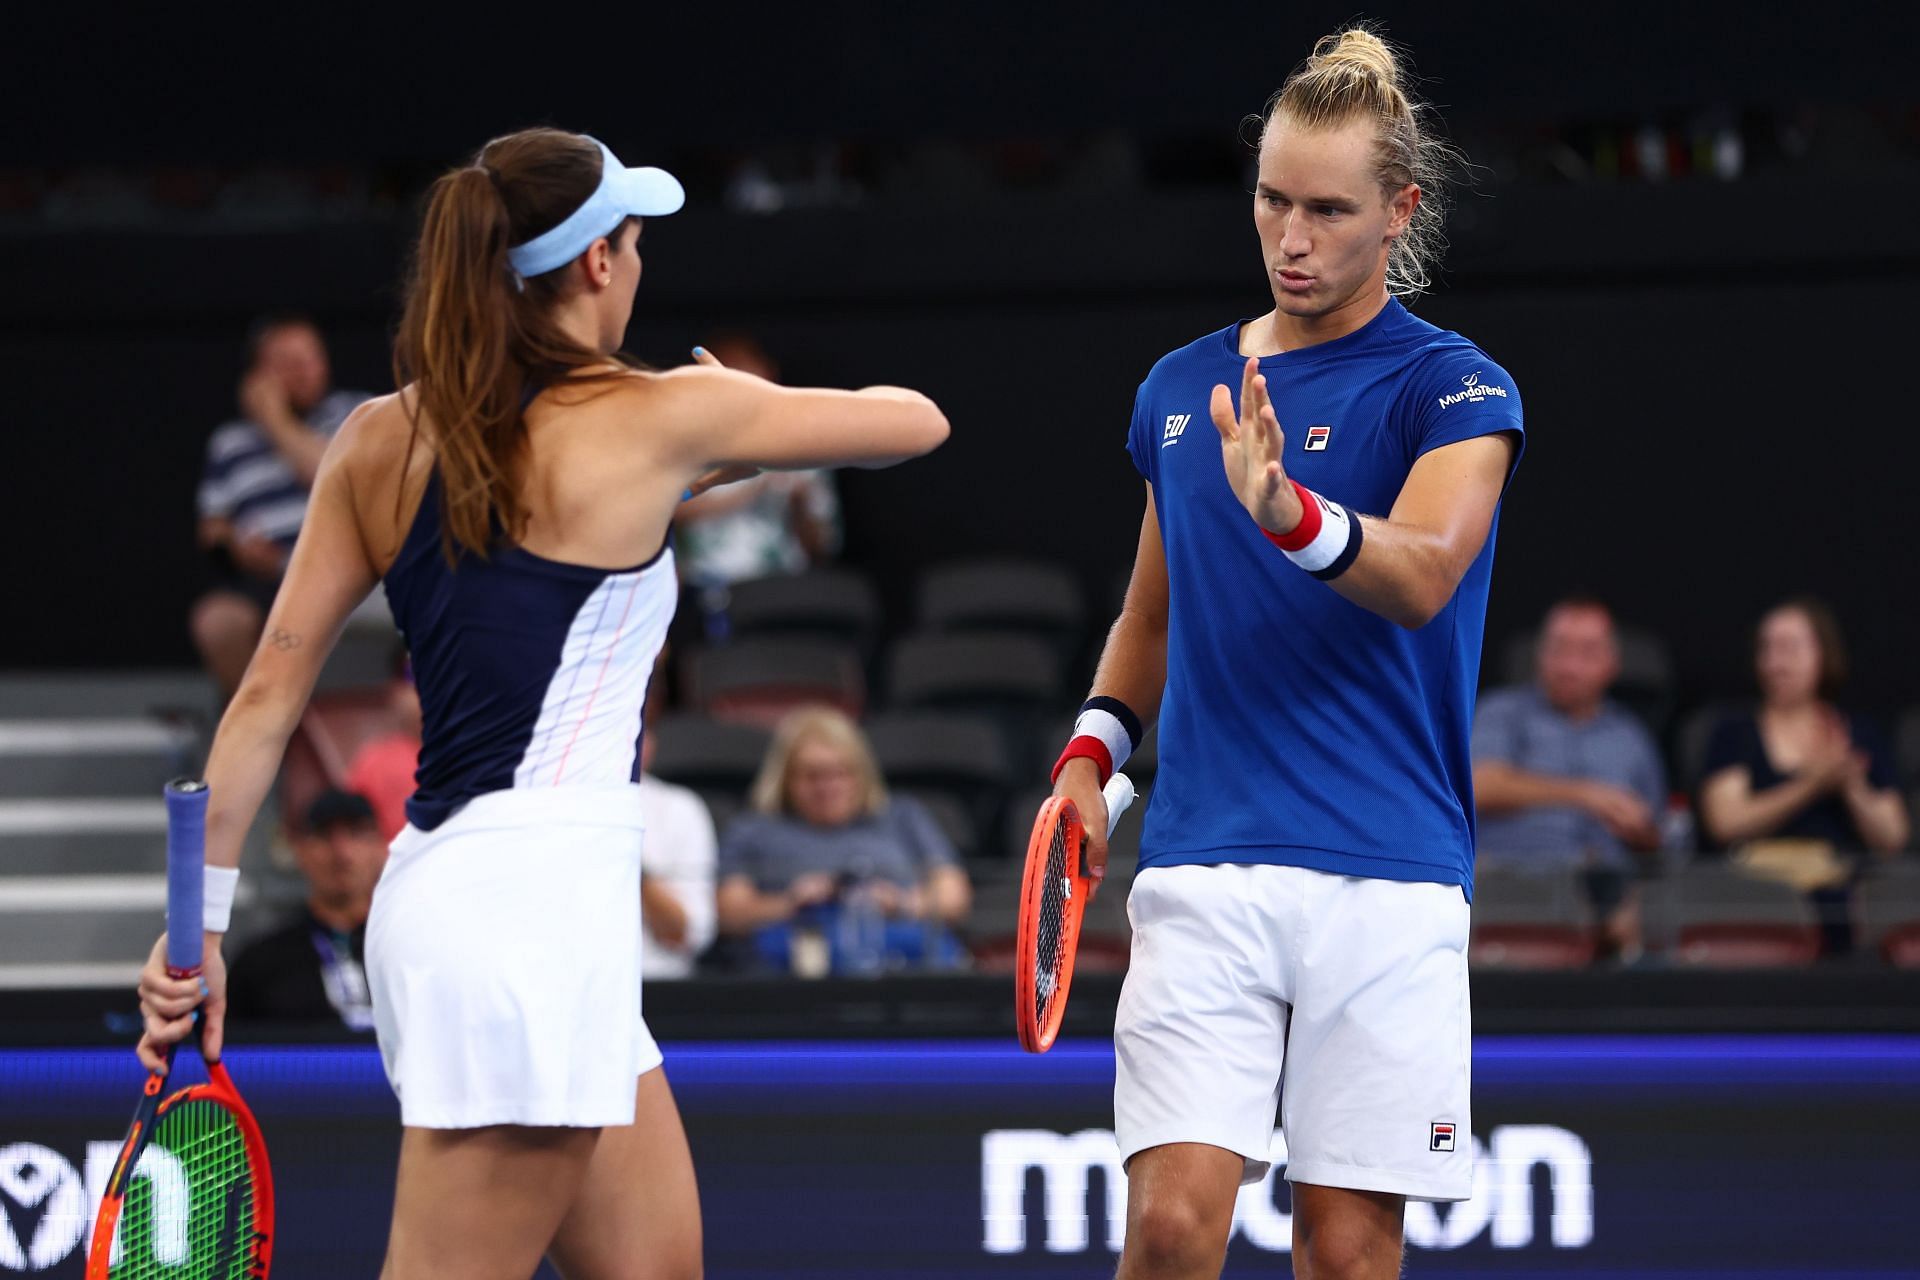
(1250, 445)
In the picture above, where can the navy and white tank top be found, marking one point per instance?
(532, 672)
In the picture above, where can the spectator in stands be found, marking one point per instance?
(826, 845)
(677, 860)
(1799, 767)
(253, 489)
(312, 968)
(1564, 779)
(383, 768)
(1804, 788)
(775, 523)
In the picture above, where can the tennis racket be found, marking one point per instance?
(1053, 898)
(191, 1194)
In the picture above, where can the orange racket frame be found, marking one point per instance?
(1036, 1035)
(257, 1248)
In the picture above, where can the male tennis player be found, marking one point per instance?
(1308, 625)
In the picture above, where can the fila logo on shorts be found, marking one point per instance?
(1176, 425)
(1317, 438)
(1440, 1136)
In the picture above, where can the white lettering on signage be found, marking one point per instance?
(1503, 1193)
(33, 1177)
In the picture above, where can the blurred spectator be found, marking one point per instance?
(677, 859)
(1799, 767)
(312, 969)
(829, 870)
(1566, 779)
(1802, 787)
(253, 489)
(778, 522)
(383, 767)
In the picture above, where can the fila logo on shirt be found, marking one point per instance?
(1317, 438)
(1440, 1136)
(1176, 426)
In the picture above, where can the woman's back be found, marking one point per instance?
(531, 664)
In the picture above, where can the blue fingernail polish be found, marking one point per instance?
(699, 351)
(686, 495)
(196, 1015)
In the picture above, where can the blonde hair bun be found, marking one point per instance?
(1359, 49)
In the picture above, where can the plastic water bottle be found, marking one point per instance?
(862, 935)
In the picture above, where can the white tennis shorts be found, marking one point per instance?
(504, 957)
(1336, 1002)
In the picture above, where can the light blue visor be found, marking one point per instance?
(623, 193)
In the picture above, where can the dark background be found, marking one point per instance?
(1714, 372)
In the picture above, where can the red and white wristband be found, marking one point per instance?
(1106, 732)
(1326, 541)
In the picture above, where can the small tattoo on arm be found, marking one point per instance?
(283, 640)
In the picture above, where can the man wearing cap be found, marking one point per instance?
(311, 969)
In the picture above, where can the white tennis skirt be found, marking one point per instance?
(504, 956)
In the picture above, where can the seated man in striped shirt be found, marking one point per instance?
(253, 491)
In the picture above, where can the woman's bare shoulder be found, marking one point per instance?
(378, 429)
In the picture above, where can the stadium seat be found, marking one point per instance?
(1719, 918)
(1529, 920)
(1014, 679)
(1031, 597)
(835, 605)
(757, 681)
(1906, 747)
(1888, 902)
(961, 756)
(990, 923)
(708, 755)
(1690, 741)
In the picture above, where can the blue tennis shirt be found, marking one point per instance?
(1298, 728)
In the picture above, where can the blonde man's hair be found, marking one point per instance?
(769, 793)
(1354, 75)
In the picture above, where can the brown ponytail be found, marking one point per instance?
(1354, 74)
(474, 336)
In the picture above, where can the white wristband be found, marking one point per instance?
(1097, 722)
(216, 911)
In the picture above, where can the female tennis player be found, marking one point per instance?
(516, 497)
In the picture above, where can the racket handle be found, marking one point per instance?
(1119, 794)
(186, 873)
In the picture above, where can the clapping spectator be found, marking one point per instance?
(312, 969)
(1799, 769)
(253, 489)
(825, 836)
(1799, 766)
(1565, 778)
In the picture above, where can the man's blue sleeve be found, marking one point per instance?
(1459, 395)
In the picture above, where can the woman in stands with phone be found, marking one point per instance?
(516, 497)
